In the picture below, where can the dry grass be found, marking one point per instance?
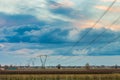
(62, 77)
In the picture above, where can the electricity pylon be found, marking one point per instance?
(43, 59)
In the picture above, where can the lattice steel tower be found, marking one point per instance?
(43, 59)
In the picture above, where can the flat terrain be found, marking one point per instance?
(61, 77)
(61, 74)
(62, 71)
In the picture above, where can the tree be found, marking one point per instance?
(59, 66)
(116, 66)
(87, 66)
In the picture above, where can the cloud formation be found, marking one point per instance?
(32, 8)
(29, 28)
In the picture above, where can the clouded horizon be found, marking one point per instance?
(29, 28)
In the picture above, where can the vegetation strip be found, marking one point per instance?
(73, 71)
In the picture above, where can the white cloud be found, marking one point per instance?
(65, 3)
(15, 7)
(80, 52)
(22, 52)
(109, 0)
(26, 52)
(38, 32)
(2, 46)
(73, 34)
(37, 8)
(43, 52)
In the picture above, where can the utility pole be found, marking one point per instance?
(43, 59)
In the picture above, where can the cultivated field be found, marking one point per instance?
(62, 77)
(61, 74)
(62, 71)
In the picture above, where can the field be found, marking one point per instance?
(61, 74)
(61, 77)
(62, 71)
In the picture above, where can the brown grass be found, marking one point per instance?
(62, 77)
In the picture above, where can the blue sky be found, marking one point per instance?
(29, 28)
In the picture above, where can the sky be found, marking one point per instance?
(64, 30)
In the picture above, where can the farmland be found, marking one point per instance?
(61, 74)
(61, 77)
(62, 71)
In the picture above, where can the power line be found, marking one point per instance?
(92, 26)
(89, 30)
(101, 35)
(118, 37)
